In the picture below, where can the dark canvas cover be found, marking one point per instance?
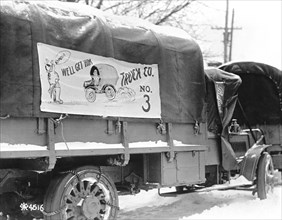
(222, 88)
(82, 28)
(260, 93)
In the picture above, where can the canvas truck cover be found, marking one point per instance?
(222, 94)
(59, 57)
(260, 93)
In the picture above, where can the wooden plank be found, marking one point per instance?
(23, 154)
(171, 154)
(51, 144)
(124, 136)
(96, 152)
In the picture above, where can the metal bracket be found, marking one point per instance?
(197, 128)
(59, 120)
(40, 126)
(171, 153)
(125, 157)
(161, 127)
(51, 144)
(118, 126)
(110, 127)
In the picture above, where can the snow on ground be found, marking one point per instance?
(214, 204)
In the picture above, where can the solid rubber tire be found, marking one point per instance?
(264, 164)
(55, 192)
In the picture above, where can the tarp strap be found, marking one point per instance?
(246, 120)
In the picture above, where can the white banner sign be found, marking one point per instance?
(80, 83)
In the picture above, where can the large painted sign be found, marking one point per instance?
(80, 83)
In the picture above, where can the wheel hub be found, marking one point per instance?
(91, 207)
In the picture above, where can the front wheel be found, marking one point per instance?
(83, 194)
(110, 92)
(265, 175)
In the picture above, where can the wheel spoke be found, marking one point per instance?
(71, 214)
(70, 206)
(81, 217)
(75, 200)
(96, 189)
(101, 196)
(82, 189)
(103, 207)
(88, 188)
(100, 217)
(269, 178)
(76, 192)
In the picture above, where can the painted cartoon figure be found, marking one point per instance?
(53, 79)
(103, 80)
(95, 77)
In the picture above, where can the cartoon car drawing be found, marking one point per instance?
(104, 78)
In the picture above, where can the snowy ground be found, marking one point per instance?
(216, 204)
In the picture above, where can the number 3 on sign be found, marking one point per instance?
(148, 105)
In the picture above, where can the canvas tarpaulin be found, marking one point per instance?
(222, 95)
(260, 93)
(85, 29)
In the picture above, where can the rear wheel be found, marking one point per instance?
(265, 176)
(110, 92)
(85, 194)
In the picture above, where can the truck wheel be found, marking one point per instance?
(83, 194)
(110, 92)
(265, 175)
(90, 95)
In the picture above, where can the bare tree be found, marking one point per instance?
(156, 11)
(177, 13)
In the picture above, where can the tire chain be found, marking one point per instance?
(77, 176)
(98, 180)
(54, 212)
(113, 206)
(62, 208)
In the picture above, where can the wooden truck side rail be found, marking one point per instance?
(54, 141)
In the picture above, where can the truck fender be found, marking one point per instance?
(249, 163)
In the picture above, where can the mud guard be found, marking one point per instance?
(249, 163)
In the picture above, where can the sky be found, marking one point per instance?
(259, 36)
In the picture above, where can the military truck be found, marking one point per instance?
(259, 103)
(63, 157)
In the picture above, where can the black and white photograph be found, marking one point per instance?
(140, 109)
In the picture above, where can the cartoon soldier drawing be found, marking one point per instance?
(53, 79)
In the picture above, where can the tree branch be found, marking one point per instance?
(174, 11)
(99, 5)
